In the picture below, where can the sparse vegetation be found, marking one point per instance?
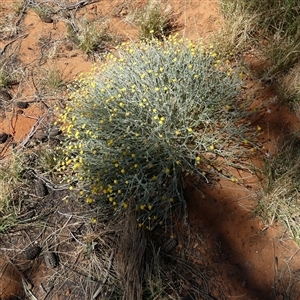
(274, 25)
(18, 7)
(155, 21)
(53, 79)
(157, 116)
(89, 36)
(280, 198)
(10, 181)
(43, 11)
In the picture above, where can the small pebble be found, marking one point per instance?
(3, 137)
(22, 105)
(46, 19)
(4, 95)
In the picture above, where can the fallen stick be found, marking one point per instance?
(12, 41)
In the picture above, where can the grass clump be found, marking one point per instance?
(9, 183)
(272, 27)
(53, 79)
(280, 201)
(154, 22)
(89, 36)
(150, 117)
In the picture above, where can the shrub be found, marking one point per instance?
(151, 116)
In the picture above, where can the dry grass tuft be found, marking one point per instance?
(281, 198)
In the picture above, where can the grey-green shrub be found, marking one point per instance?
(149, 117)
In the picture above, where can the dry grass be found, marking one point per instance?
(281, 196)
(287, 285)
(239, 31)
(289, 88)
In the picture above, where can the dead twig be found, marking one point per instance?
(31, 133)
(96, 294)
(12, 41)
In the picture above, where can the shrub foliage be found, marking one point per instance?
(153, 114)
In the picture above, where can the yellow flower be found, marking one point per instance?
(94, 220)
(123, 171)
(89, 200)
(233, 179)
(167, 170)
(154, 178)
(125, 205)
(211, 147)
(150, 207)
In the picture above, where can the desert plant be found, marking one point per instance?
(42, 11)
(239, 30)
(154, 22)
(289, 88)
(89, 35)
(148, 118)
(18, 7)
(276, 26)
(53, 78)
(280, 198)
(9, 182)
